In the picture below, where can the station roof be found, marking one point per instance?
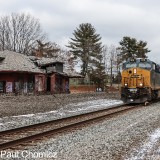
(15, 62)
(12, 61)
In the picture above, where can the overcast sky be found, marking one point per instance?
(112, 19)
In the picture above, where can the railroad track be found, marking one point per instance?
(19, 136)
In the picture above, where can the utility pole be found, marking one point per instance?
(118, 66)
(111, 73)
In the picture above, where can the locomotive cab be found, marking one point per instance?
(139, 82)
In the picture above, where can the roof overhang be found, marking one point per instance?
(12, 71)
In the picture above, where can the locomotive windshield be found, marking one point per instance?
(131, 65)
(141, 63)
(145, 65)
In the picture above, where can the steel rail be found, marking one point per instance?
(23, 140)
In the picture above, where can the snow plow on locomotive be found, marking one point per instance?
(140, 81)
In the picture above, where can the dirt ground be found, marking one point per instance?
(19, 105)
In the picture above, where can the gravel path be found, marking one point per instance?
(120, 137)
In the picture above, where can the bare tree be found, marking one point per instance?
(112, 62)
(19, 33)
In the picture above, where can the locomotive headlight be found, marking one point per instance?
(141, 84)
(134, 70)
(126, 84)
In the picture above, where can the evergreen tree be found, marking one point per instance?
(98, 75)
(131, 48)
(142, 50)
(86, 46)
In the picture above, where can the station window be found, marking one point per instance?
(2, 86)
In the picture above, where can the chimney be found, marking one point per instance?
(38, 54)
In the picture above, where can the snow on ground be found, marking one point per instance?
(68, 110)
(148, 149)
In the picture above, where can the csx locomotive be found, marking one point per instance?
(140, 81)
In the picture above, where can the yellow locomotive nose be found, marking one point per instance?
(133, 78)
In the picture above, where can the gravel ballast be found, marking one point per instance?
(117, 138)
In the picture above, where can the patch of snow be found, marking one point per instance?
(95, 104)
(27, 115)
(147, 147)
(52, 112)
